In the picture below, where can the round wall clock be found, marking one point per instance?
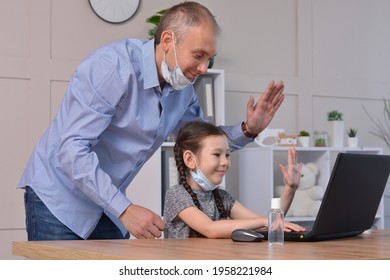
(114, 11)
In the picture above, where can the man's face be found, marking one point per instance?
(194, 51)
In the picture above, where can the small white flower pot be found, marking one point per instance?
(303, 141)
(353, 142)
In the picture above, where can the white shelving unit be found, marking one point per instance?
(218, 78)
(147, 188)
(259, 173)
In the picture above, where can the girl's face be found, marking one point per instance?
(214, 158)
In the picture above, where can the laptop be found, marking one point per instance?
(351, 200)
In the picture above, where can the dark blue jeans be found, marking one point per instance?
(43, 225)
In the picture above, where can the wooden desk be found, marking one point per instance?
(372, 246)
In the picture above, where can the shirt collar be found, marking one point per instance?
(149, 63)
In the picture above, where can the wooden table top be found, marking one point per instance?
(366, 246)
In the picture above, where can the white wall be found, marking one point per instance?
(331, 55)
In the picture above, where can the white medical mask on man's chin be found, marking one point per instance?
(202, 180)
(176, 77)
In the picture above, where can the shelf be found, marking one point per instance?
(168, 144)
(322, 149)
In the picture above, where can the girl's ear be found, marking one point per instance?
(189, 159)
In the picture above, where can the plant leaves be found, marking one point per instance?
(381, 130)
(154, 20)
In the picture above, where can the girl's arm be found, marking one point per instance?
(242, 218)
(201, 223)
(292, 178)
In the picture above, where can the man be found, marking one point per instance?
(121, 104)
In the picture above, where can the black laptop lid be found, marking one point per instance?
(353, 195)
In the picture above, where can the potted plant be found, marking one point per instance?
(352, 132)
(336, 128)
(335, 116)
(155, 20)
(303, 138)
(352, 139)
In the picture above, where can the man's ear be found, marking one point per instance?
(189, 159)
(166, 40)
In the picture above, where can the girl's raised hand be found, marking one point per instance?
(292, 173)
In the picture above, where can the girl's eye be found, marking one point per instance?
(218, 155)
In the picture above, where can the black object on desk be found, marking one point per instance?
(246, 235)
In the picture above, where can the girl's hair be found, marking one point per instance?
(181, 17)
(191, 137)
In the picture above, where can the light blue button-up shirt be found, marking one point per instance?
(112, 119)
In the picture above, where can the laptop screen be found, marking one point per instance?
(354, 192)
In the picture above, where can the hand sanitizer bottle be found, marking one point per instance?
(275, 223)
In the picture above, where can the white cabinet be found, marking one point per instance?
(259, 173)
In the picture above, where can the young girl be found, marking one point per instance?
(197, 207)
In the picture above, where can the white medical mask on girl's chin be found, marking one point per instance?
(176, 77)
(202, 180)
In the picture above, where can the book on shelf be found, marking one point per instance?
(204, 88)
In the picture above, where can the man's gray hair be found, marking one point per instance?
(181, 17)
